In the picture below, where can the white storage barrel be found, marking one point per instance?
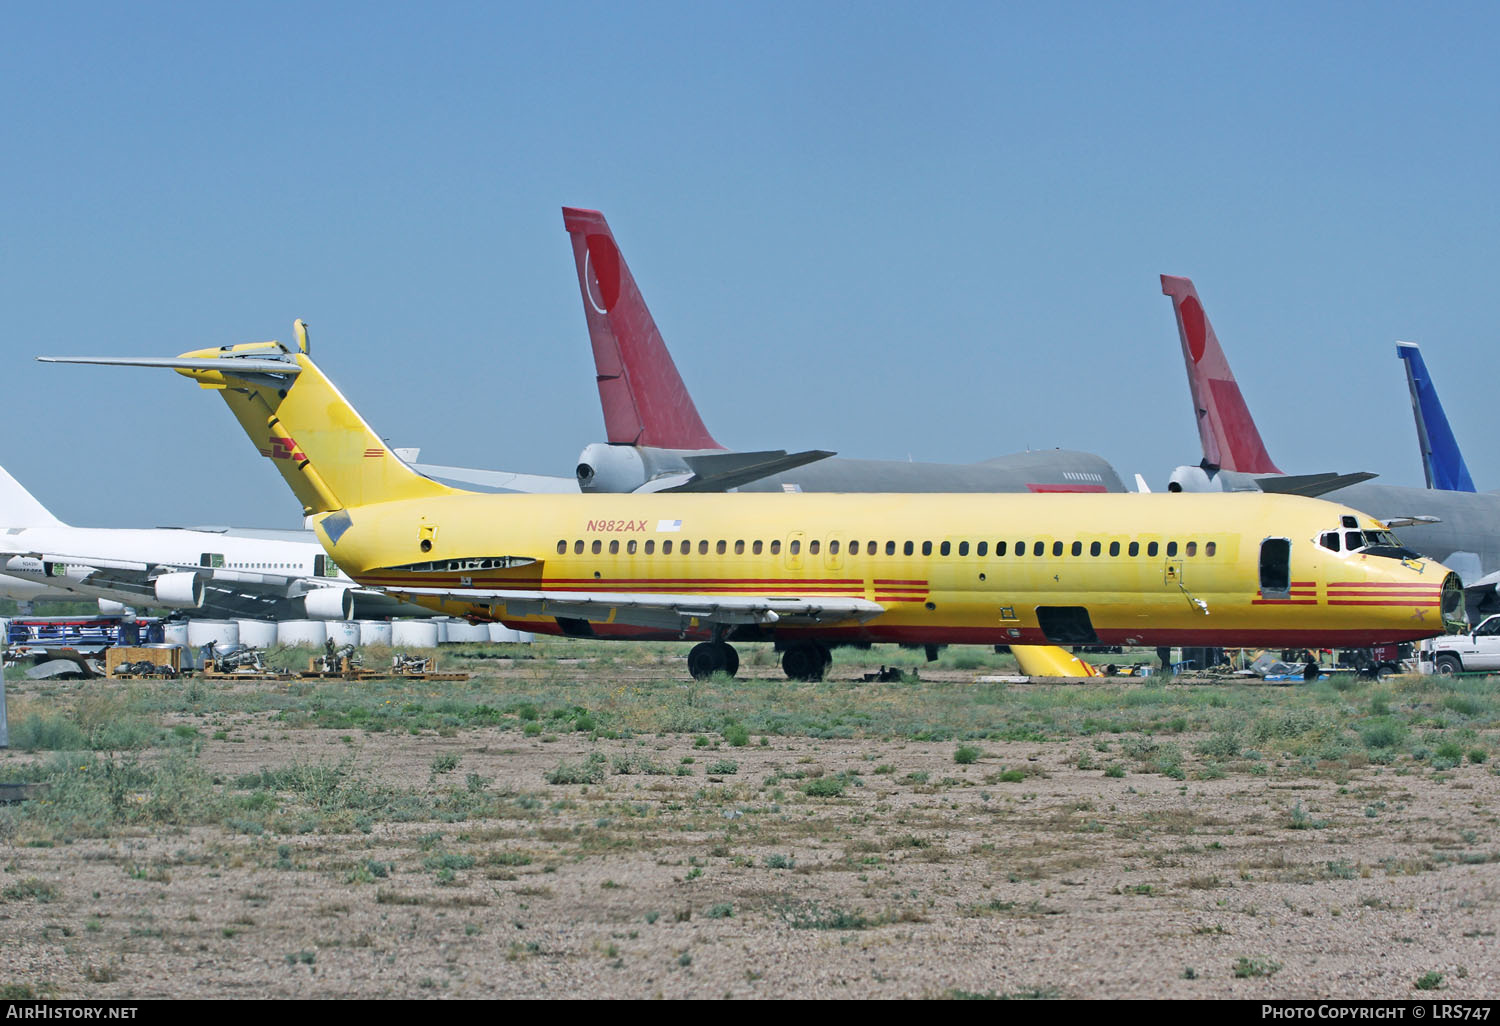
(257, 633)
(343, 632)
(374, 632)
(174, 633)
(414, 634)
(302, 632)
(224, 634)
(460, 631)
(501, 633)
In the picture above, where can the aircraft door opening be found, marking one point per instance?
(1066, 625)
(1276, 568)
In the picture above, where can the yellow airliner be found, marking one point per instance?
(817, 569)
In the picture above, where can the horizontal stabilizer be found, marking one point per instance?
(719, 472)
(227, 365)
(1310, 485)
(1412, 521)
(500, 480)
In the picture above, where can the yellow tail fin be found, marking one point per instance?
(326, 452)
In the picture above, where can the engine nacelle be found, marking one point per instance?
(108, 607)
(179, 591)
(1195, 479)
(329, 604)
(610, 468)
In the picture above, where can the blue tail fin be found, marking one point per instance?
(1441, 461)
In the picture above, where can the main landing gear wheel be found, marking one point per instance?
(713, 657)
(806, 660)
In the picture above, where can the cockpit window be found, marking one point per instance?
(1370, 543)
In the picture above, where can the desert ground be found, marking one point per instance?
(585, 821)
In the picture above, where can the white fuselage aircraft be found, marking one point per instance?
(243, 573)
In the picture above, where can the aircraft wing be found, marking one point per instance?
(499, 480)
(721, 471)
(651, 609)
(1310, 485)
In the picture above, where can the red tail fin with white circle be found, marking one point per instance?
(1230, 438)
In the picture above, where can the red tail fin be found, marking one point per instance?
(645, 401)
(1230, 439)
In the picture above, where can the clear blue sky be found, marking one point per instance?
(887, 229)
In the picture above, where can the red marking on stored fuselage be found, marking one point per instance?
(1192, 325)
(1072, 488)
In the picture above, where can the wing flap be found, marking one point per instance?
(648, 609)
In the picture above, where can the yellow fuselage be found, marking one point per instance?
(1147, 569)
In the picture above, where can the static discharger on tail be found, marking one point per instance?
(812, 571)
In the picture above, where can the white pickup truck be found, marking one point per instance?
(1479, 650)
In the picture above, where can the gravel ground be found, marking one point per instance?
(1018, 874)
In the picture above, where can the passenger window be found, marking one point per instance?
(666, 548)
(630, 547)
(1114, 548)
(578, 547)
(833, 548)
(1094, 548)
(812, 548)
(1171, 548)
(1037, 548)
(1057, 548)
(794, 548)
(562, 547)
(890, 548)
(869, 548)
(1151, 548)
(721, 548)
(614, 546)
(739, 547)
(983, 549)
(755, 547)
(907, 549)
(650, 547)
(927, 548)
(1077, 548)
(597, 547)
(703, 547)
(1209, 548)
(776, 547)
(963, 548)
(1192, 548)
(944, 549)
